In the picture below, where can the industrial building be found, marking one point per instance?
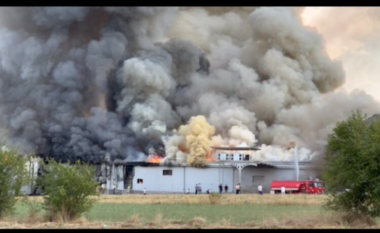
(178, 179)
(230, 167)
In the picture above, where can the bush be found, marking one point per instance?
(68, 189)
(13, 175)
(352, 163)
(34, 208)
(214, 198)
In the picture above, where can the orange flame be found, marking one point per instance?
(155, 159)
(209, 157)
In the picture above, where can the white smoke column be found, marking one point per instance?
(172, 148)
(238, 135)
(296, 162)
(278, 153)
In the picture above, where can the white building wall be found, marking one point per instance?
(32, 167)
(154, 180)
(182, 178)
(209, 178)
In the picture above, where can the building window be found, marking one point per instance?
(167, 172)
(246, 158)
(140, 181)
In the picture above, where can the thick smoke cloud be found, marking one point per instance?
(55, 69)
(351, 37)
(90, 82)
(271, 75)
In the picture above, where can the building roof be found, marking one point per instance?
(135, 163)
(265, 165)
(235, 148)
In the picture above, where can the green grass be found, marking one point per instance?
(238, 214)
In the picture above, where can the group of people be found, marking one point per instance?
(221, 188)
(198, 189)
(260, 189)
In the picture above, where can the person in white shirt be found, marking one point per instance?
(260, 188)
(144, 191)
(282, 190)
(188, 191)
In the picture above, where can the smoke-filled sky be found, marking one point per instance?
(128, 82)
(352, 35)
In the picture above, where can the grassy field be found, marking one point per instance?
(194, 211)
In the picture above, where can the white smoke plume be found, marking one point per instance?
(173, 145)
(238, 136)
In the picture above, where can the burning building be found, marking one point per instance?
(224, 165)
(228, 166)
(166, 84)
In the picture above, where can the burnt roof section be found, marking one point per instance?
(142, 163)
(264, 165)
(235, 148)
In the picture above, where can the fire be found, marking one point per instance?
(155, 159)
(209, 157)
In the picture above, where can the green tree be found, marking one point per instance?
(352, 169)
(13, 175)
(68, 189)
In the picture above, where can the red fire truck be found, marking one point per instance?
(310, 186)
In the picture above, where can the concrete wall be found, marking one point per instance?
(182, 178)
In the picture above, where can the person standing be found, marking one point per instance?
(196, 188)
(188, 191)
(260, 188)
(199, 188)
(114, 187)
(226, 188)
(144, 191)
(283, 190)
(238, 188)
(220, 188)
